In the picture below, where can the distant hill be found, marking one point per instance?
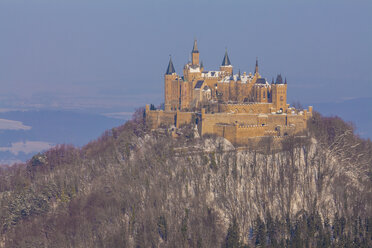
(37, 130)
(358, 111)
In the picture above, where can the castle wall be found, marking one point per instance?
(183, 118)
(299, 122)
(211, 121)
(237, 128)
(242, 135)
(158, 118)
(277, 120)
(245, 132)
(253, 108)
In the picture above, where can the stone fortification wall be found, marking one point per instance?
(183, 118)
(299, 121)
(277, 120)
(158, 118)
(241, 135)
(238, 128)
(209, 121)
(252, 108)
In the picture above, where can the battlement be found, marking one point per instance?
(251, 126)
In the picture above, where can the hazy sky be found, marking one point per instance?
(113, 54)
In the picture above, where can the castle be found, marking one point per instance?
(238, 107)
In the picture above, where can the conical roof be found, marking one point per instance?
(195, 47)
(170, 69)
(226, 60)
(279, 79)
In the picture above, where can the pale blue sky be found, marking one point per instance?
(113, 54)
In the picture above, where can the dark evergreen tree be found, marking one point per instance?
(260, 233)
(162, 228)
(271, 229)
(232, 238)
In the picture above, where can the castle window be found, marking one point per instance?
(281, 98)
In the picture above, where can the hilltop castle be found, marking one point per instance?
(237, 107)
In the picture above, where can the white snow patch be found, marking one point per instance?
(197, 69)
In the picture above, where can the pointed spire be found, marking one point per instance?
(232, 76)
(272, 81)
(256, 69)
(285, 80)
(201, 64)
(239, 77)
(226, 60)
(195, 47)
(170, 69)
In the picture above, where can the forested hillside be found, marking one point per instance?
(133, 187)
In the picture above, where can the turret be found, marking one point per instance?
(260, 90)
(170, 76)
(239, 78)
(279, 94)
(195, 54)
(226, 64)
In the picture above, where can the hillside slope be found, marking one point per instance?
(137, 188)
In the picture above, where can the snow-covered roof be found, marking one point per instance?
(214, 74)
(194, 69)
(244, 78)
(262, 82)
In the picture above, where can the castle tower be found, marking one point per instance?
(260, 90)
(226, 65)
(279, 94)
(195, 54)
(169, 78)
